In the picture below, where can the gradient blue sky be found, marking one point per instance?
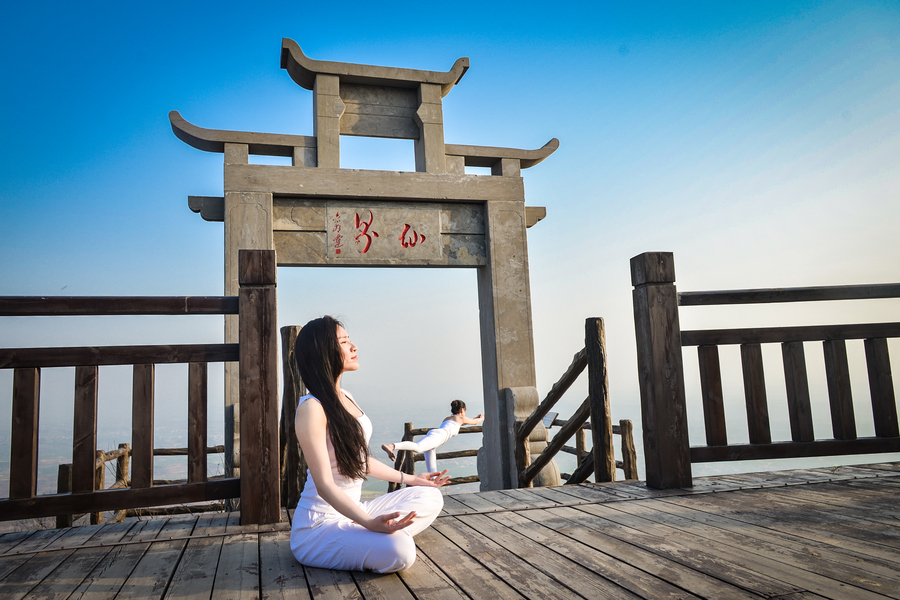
(759, 141)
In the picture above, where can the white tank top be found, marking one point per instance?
(452, 427)
(310, 498)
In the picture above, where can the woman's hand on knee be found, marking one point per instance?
(389, 523)
(436, 479)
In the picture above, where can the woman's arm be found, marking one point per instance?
(310, 424)
(478, 419)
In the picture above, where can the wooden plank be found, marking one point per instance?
(199, 565)
(881, 387)
(797, 294)
(598, 393)
(811, 333)
(630, 578)
(840, 397)
(110, 574)
(84, 436)
(582, 527)
(328, 584)
(711, 394)
(556, 495)
(197, 407)
(475, 501)
(568, 573)
(829, 576)
(29, 573)
(258, 331)
(469, 574)
(23, 458)
(19, 358)
(755, 394)
(848, 558)
(503, 500)
(117, 499)
(452, 506)
(150, 577)
(281, 577)
(512, 569)
(142, 429)
(58, 585)
(801, 524)
(381, 586)
(734, 565)
(427, 582)
(797, 384)
(34, 306)
(527, 499)
(238, 570)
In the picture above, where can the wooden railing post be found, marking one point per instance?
(64, 486)
(293, 465)
(258, 376)
(99, 483)
(598, 392)
(629, 454)
(660, 371)
(24, 433)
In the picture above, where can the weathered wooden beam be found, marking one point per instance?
(797, 384)
(660, 371)
(768, 335)
(581, 415)
(23, 461)
(598, 392)
(755, 394)
(578, 364)
(881, 387)
(198, 382)
(17, 358)
(103, 500)
(142, 415)
(840, 396)
(38, 306)
(713, 399)
(258, 332)
(84, 435)
(798, 294)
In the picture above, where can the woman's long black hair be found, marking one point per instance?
(317, 355)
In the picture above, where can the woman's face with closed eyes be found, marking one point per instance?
(348, 350)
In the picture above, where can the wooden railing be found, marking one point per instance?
(407, 459)
(122, 457)
(256, 353)
(601, 461)
(661, 373)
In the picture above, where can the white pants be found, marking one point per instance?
(433, 439)
(335, 542)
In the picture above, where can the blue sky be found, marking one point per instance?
(756, 140)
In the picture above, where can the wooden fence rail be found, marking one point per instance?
(255, 352)
(596, 408)
(659, 343)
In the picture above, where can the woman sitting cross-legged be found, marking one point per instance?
(332, 528)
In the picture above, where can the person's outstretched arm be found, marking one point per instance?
(479, 418)
(310, 424)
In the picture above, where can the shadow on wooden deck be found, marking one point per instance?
(819, 533)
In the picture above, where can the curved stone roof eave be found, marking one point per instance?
(303, 71)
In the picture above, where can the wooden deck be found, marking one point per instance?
(807, 534)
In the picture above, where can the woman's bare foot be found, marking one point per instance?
(389, 448)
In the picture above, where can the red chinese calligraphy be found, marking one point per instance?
(415, 238)
(366, 234)
(336, 228)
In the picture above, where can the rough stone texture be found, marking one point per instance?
(328, 108)
(248, 226)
